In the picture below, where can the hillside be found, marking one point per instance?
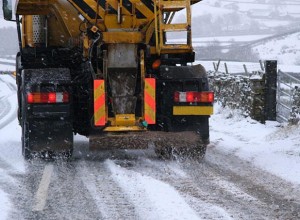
(231, 17)
(285, 49)
(6, 24)
(8, 41)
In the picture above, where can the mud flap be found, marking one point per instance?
(47, 127)
(55, 136)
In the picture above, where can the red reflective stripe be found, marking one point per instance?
(150, 101)
(99, 102)
(149, 120)
(97, 83)
(101, 121)
(151, 82)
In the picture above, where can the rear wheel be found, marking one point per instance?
(26, 151)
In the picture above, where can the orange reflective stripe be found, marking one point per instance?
(98, 88)
(151, 82)
(99, 103)
(101, 121)
(149, 120)
(150, 101)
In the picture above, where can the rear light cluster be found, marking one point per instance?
(47, 97)
(206, 97)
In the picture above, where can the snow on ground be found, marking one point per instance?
(273, 23)
(270, 147)
(204, 8)
(4, 67)
(12, 61)
(9, 136)
(238, 38)
(286, 49)
(221, 40)
(10, 131)
(170, 206)
(7, 63)
(6, 24)
(4, 205)
(291, 8)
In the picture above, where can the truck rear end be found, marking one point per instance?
(107, 70)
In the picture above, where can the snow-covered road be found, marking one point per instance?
(134, 184)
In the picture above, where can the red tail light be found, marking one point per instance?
(47, 97)
(207, 97)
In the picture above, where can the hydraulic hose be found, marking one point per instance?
(90, 54)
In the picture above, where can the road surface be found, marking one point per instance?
(132, 184)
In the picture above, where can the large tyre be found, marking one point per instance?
(19, 84)
(26, 151)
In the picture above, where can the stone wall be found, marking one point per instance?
(240, 92)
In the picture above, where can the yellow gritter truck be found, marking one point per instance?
(109, 70)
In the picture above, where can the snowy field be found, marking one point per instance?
(4, 67)
(5, 24)
(286, 49)
(237, 67)
(7, 64)
(221, 40)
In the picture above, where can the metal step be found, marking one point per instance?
(176, 48)
(172, 5)
(175, 27)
